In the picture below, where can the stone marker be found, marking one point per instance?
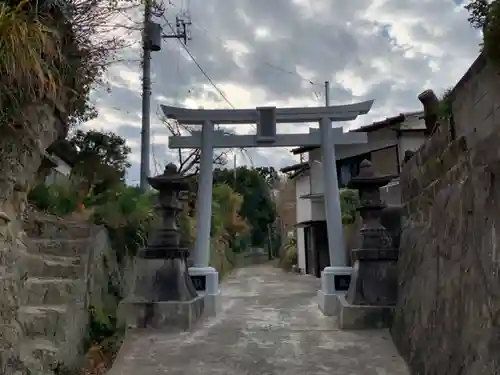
(163, 294)
(373, 289)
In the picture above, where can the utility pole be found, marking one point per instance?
(234, 169)
(327, 93)
(151, 41)
(269, 242)
(146, 95)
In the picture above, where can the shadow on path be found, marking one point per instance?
(270, 324)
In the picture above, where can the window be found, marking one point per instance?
(349, 168)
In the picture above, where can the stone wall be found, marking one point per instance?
(11, 283)
(447, 319)
(476, 101)
(21, 152)
(69, 268)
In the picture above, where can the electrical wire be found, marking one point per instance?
(242, 150)
(279, 68)
(199, 66)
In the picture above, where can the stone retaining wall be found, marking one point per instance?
(476, 100)
(447, 319)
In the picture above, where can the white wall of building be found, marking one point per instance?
(316, 180)
(318, 209)
(317, 185)
(303, 210)
(410, 142)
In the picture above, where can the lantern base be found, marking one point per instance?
(169, 315)
(162, 295)
(375, 278)
(353, 317)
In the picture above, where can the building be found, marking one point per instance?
(388, 142)
(285, 205)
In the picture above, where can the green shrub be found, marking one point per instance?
(349, 202)
(40, 197)
(54, 199)
(129, 216)
(288, 254)
(101, 325)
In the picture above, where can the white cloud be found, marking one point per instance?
(279, 52)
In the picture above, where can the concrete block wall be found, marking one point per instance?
(476, 101)
(447, 319)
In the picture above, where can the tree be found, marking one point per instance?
(189, 160)
(478, 10)
(101, 158)
(226, 206)
(485, 15)
(258, 207)
(269, 174)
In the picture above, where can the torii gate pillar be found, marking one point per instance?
(201, 270)
(328, 295)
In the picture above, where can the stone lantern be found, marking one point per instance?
(373, 289)
(163, 294)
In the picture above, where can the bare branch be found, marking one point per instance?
(189, 165)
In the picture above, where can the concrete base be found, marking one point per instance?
(162, 315)
(364, 317)
(210, 291)
(329, 295)
(329, 304)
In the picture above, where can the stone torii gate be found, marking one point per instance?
(266, 119)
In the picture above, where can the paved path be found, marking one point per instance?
(270, 324)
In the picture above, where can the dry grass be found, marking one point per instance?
(288, 254)
(29, 52)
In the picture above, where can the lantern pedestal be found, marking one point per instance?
(354, 317)
(163, 295)
(372, 293)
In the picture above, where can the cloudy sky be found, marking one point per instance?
(279, 52)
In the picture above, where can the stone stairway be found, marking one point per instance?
(54, 303)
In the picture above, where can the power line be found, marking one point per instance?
(199, 66)
(281, 69)
(242, 150)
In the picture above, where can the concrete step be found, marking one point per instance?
(47, 321)
(51, 266)
(39, 354)
(50, 291)
(52, 228)
(60, 247)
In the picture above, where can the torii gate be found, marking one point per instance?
(266, 119)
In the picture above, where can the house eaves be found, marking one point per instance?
(302, 149)
(394, 123)
(63, 150)
(296, 169)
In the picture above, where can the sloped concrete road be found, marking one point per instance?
(269, 324)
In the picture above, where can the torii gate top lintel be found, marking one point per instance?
(187, 116)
